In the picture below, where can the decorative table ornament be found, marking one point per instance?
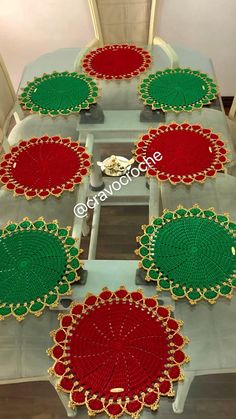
(117, 353)
(190, 253)
(118, 61)
(44, 166)
(186, 153)
(59, 94)
(39, 262)
(177, 90)
(115, 165)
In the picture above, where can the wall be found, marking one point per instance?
(208, 26)
(29, 28)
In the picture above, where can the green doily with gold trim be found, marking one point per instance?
(178, 89)
(191, 253)
(59, 94)
(38, 263)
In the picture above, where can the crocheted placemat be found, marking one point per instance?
(116, 62)
(44, 166)
(38, 263)
(117, 352)
(59, 94)
(191, 253)
(178, 89)
(186, 153)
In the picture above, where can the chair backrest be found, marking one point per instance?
(7, 94)
(124, 21)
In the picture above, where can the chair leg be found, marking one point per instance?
(96, 179)
(182, 392)
(94, 233)
(64, 399)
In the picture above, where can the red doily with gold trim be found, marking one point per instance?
(181, 153)
(44, 166)
(117, 353)
(116, 62)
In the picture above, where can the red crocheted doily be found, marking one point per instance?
(187, 153)
(44, 166)
(116, 62)
(118, 352)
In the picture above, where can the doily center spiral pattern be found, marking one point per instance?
(38, 263)
(116, 62)
(186, 153)
(120, 330)
(59, 93)
(34, 262)
(44, 166)
(117, 352)
(191, 253)
(179, 89)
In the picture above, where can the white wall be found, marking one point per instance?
(208, 26)
(29, 28)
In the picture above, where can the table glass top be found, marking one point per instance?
(122, 95)
(125, 119)
(117, 94)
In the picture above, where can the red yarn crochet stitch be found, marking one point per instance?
(189, 153)
(44, 166)
(116, 62)
(119, 353)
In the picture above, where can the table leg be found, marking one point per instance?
(96, 179)
(182, 392)
(154, 198)
(80, 225)
(80, 221)
(94, 233)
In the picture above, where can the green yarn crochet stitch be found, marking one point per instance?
(38, 263)
(191, 253)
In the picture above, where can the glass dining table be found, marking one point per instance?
(122, 95)
(120, 115)
(120, 118)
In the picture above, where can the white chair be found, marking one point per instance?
(126, 21)
(29, 126)
(219, 193)
(60, 209)
(211, 329)
(23, 356)
(212, 334)
(23, 345)
(16, 208)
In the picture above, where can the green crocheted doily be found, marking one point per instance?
(38, 263)
(191, 253)
(59, 93)
(179, 89)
